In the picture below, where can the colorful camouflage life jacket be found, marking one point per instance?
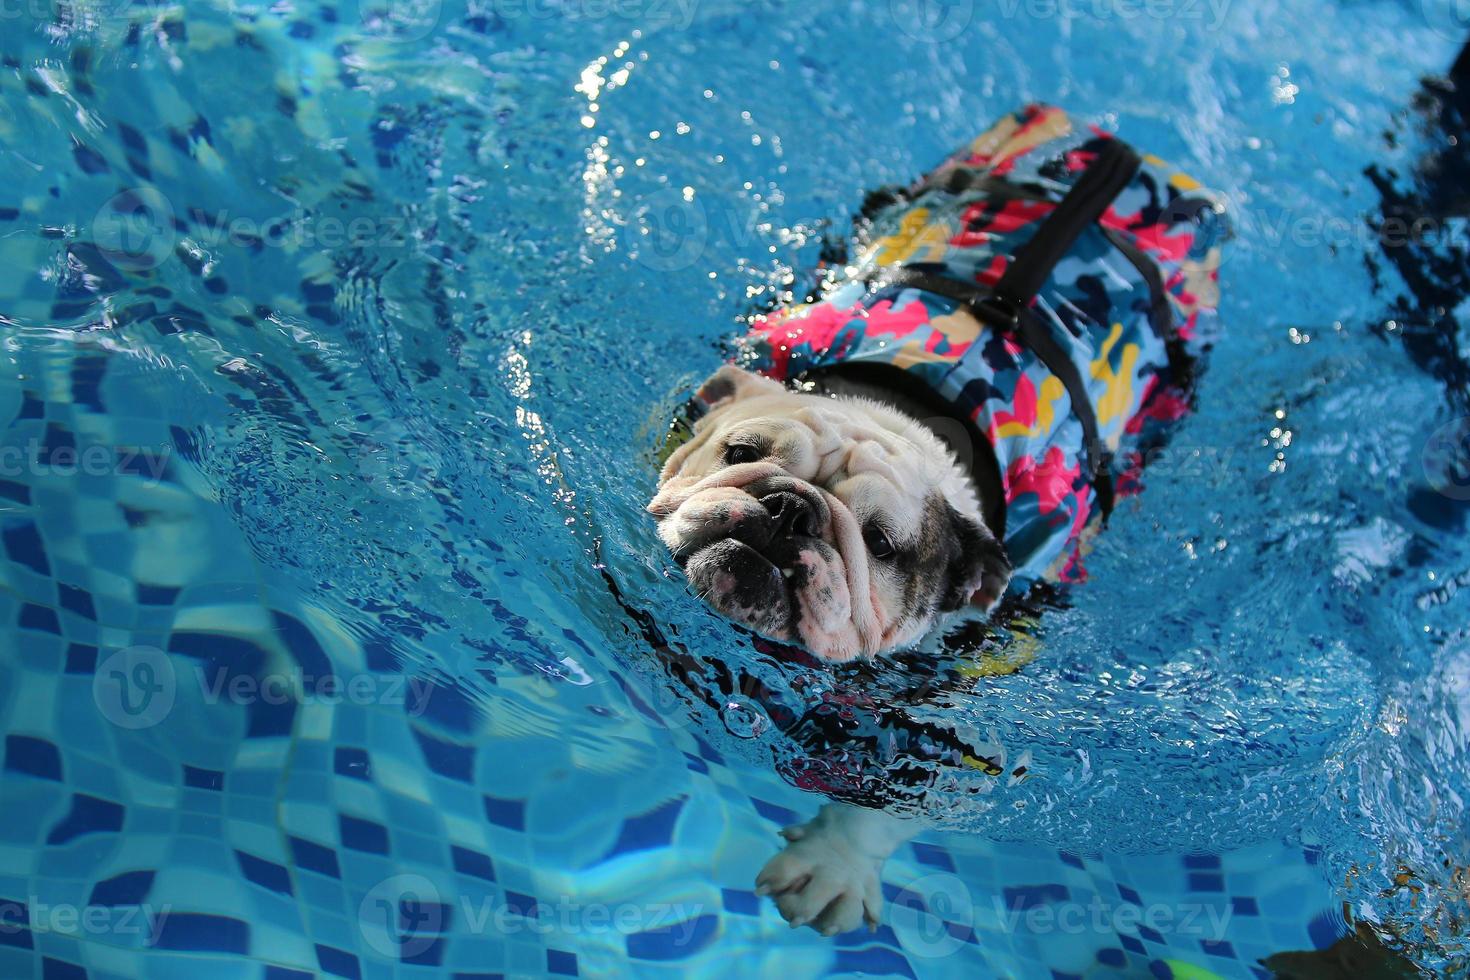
(1046, 286)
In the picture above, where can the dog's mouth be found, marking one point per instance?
(756, 587)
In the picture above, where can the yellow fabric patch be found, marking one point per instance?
(1017, 654)
(1046, 406)
(1117, 398)
(917, 240)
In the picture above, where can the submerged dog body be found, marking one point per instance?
(835, 522)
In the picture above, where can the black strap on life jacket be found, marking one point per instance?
(1008, 304)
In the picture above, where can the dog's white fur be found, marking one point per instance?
(857, 461)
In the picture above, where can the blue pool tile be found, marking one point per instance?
(1132, 945)
(1325, 929)
(13, 912)
(424, 951)
(1129, 895)
(32, 756)
(128, 888)
(363, 835)
(266, 874)
(772, 811)
(23, 546)
(1199, 862)
(197, 932)
(40, 618)
(932, 856)
(285, 973)
(312, 856)
(88, 815)
(676, 941)
(203, 778)
(17, 936)
(647, 831)
(1244, 905)
(873, 960)
(55, 969)
(338, 962)
(740, 902)
(1205, 882)
(707, 751)
(510, 814)
(449, 707)
(561, 963)
(81, 658)
(1112, 957)
(77, 600)
(518, 904)
(1071, 859)
(448, 759)
(472, 863)
(1023, 897)
(1150, 935)
(156, 595)
(1221, 948)
(352, 762)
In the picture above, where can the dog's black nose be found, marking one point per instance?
(791, 514)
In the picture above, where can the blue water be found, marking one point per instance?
(339, 341)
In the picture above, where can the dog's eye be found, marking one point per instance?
(878, 543)
(736, 454)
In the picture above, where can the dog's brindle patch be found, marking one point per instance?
(939, 569)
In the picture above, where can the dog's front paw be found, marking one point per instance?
(823, 880)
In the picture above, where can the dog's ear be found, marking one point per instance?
(730, 384)
(978, 570)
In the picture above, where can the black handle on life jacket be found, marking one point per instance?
(1008, 304)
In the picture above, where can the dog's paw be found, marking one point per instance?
(823, 880)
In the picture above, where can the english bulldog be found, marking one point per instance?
(1008, 326)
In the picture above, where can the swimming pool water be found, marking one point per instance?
(340, 340)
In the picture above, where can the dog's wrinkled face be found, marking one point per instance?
(837, 523)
